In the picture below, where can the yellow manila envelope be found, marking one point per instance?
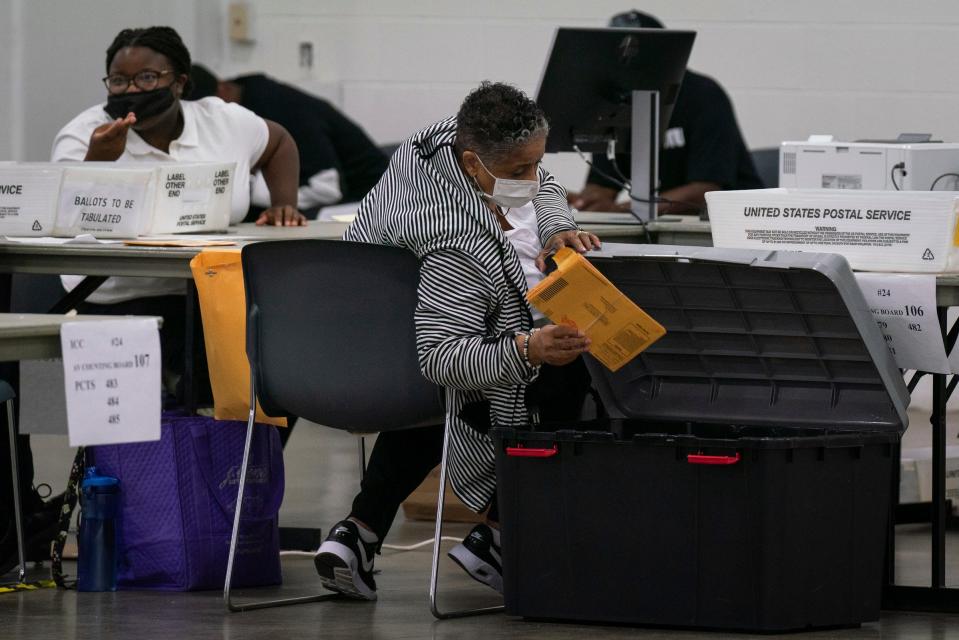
(218, 274)
(576, 294)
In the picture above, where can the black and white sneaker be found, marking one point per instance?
(345, 562)
(479, 555)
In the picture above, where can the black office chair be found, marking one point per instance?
(330, 338)
(766, 162)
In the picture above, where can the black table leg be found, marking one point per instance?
(189, 346)
(79, 293)
(936, 597)
(938, 421)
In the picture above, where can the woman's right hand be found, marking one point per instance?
(556, 344)
(108, 141)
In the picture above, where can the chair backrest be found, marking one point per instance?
(766, 162)
(330, 334)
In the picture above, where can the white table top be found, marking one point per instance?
(33, 336)
(123, 260)
(174, 262)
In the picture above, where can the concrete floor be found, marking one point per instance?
(322, 476)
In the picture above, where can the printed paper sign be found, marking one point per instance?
(192, 197)
(904, 307)
(103, 202)
(28, 199)
(112, 380)
(893, 231)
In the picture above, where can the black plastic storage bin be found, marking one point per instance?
(707, 526)
(744, 478)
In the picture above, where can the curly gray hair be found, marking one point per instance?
(495, 118)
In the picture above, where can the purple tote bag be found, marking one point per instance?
(177, 502)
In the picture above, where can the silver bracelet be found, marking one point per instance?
(529, 338)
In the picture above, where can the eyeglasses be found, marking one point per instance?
(146, 80)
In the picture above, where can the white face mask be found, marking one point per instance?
(510, 194)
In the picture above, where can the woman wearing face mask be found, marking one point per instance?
(144, 119)
(468, 196)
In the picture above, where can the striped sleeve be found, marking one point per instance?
(552, 210)
(364, 227)
(454, 295)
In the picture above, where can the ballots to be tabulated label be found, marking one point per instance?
(104, 202)
(904, 307)
(111, 371)
(894, 231)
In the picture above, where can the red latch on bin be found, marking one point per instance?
(698, 458)
(522, 452)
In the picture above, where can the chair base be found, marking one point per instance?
(269, 604)
(437, 542)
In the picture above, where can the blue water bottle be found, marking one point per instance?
(97, 561)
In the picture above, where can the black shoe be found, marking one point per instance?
(345, 562)
(40, 527)
(480, 557)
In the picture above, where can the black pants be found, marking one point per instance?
(401, 460)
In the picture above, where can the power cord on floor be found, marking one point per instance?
(424, 543)
(390, 547)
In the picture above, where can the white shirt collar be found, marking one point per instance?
(137, 146)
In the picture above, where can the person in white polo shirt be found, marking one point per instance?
(145, 120)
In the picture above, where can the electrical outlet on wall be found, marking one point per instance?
(306, 55)
(239, 16)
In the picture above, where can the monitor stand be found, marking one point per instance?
(644, 156)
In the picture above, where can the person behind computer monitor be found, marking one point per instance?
(703, 149)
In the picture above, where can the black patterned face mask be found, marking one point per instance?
(143, 104)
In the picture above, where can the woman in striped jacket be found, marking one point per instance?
(468, 196)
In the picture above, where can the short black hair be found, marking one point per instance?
(204, 82)
(164, 40)
(495, 117)
(636, 20)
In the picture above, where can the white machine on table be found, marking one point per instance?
(822, 163)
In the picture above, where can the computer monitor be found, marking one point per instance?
(587, 92)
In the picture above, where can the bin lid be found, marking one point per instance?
(753, 337)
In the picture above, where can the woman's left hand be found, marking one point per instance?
(282, 216)
(581, 241)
